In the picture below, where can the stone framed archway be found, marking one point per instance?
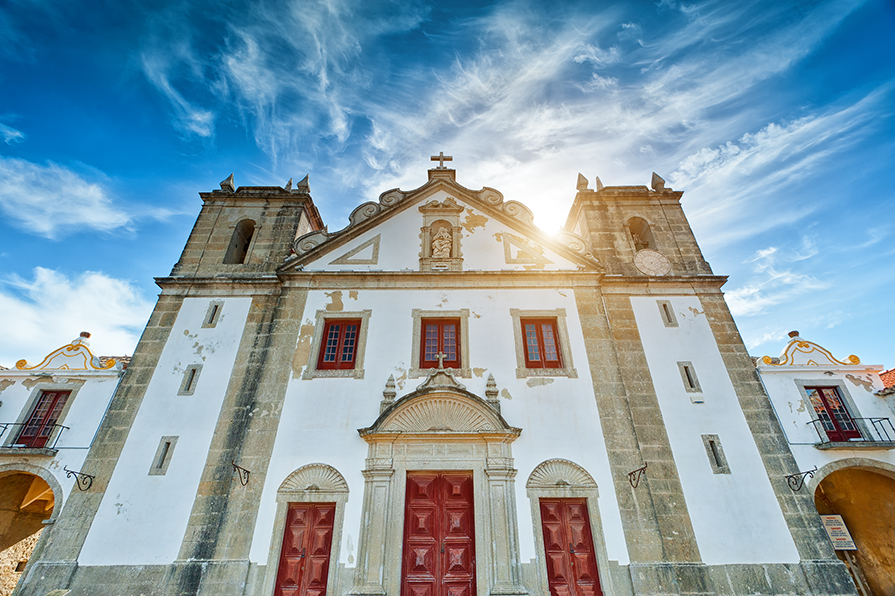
(440, 426)
(312, 483)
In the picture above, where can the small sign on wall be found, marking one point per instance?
(838, 533)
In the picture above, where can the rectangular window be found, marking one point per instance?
(339, 349)
(163, 456)
(440, 343)
(832, 414)
(40, 425)
(541, 344)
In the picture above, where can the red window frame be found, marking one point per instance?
(339, 344)
(541, 343)
(40, 424)
(833, 414)
(439, 336)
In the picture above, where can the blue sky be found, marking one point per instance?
(775, 118)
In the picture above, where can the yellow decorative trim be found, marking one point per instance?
(807, 347)
(74, 356)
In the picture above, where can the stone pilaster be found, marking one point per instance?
(55, 557)
(373, 544)
(505, 570)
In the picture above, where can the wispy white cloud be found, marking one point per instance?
(50, 309)
(11, 135)
(51, 200)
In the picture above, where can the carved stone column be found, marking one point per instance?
(373, 544)
(506, 574)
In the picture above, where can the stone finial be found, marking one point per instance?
(658, 183)
(83, 339)
(491, 393)
(582, 182)
(228, 184)
(304, 186)
(288, 185)
(388, 394)
(598, 183)
(793, 334)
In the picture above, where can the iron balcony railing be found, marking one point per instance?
(873, 430)
(45, 438)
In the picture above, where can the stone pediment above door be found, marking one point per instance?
(440, 406)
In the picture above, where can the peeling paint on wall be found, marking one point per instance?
(29, 383)
(539, 381)
(335, 301)
(303, 350)
(866, 383)
(505, 394)
(695, 312)
(473, 220)
(352, 294)
(6, 383)
(479, 372)
(400, 381)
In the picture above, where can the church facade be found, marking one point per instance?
(439, 400)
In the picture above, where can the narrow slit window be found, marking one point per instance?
(715, 453)
(688, 376)
(190, 379)
(667, 313)
(162, 458)
(213, 313)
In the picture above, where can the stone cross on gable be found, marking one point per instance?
(441, 158)
(441, 356)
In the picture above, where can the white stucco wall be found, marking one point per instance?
(736, 517)
(857, 383)
(91, 392)
(130, 516)
(558, 419)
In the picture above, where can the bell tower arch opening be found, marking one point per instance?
(240, 242)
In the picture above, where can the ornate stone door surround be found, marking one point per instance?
(313, 483)
(563, 479)
(440, 426)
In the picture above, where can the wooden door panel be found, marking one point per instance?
(439, 535)
(307, 542)
(571, 562)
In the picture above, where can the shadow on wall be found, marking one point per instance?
(864, 500)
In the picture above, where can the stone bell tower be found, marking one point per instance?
(247, 229)
(634, 230)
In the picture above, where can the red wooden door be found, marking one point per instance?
(837, 422)
(439, 535)
(40, 424)
(304, 559)
(571, 561)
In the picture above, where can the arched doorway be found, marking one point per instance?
(26, 501)
(862, 495)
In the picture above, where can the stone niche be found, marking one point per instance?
(440, 236)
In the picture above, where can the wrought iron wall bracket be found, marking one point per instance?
(243, 473)
(82, 481)
(634, 476)
(796, 481)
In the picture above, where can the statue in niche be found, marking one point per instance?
(639, 242)
(441, 244)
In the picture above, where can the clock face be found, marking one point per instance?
(652, 262)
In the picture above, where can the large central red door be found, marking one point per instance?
(571, 563)
(439, 535)
(304, 559)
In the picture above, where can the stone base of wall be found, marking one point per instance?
(241, 578)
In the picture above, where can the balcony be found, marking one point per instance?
(42, 441)
(874, 433)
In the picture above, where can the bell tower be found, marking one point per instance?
(635, 230)
(247, 230)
